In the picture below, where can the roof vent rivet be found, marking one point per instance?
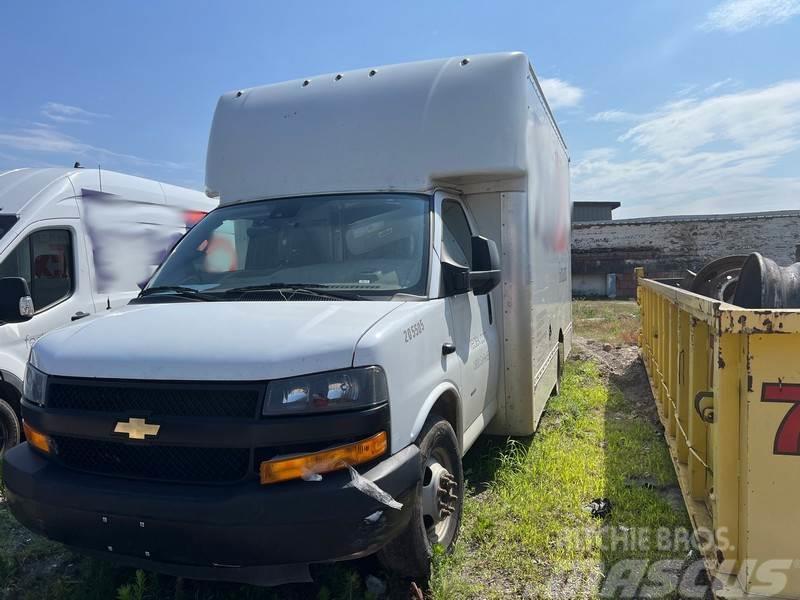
(372, 73)
(464, 62)
(306, 82)
(338, 77)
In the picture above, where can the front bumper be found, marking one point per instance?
(244, 532)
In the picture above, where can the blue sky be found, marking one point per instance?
(668, 106)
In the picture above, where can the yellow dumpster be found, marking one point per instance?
(726, 381)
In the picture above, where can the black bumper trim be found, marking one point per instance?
(269, 575)
(214, 433)
(243, 526)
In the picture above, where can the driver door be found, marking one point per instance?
(472, 322)
(48, 258)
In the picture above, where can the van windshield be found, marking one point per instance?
(365, 244)
(6, 223)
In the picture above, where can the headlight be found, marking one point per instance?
(34, 386)
(325, 392)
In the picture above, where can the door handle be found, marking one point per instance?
(448, 348)
(79, 315)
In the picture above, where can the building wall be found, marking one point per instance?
(667, 247)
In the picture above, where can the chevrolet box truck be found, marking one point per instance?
(387, 277)
(76, 242)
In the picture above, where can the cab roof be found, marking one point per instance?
(19, 186)
(36, 187)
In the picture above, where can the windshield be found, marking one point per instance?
(370, 244)
(6, 223)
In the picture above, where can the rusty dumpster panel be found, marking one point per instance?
(726, 382)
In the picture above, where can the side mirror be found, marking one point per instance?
(486, 272)
(455, 278)
(16, 304)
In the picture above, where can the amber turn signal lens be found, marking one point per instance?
(36, 439)
(333, 459)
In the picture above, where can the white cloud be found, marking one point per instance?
(739, 15)
(64, 113)
(41, 139)
(561, 94)
(745, 119)
(710, 89)
(47, 140)
(599, 154)
(700, 156)
(615, 116)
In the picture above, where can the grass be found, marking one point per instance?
(529, 534)
(526, 531)
(607, 321)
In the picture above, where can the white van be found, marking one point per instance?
(388, 275)
(76, 242)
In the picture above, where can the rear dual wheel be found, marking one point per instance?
(437, 503)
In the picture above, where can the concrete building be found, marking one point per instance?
(604, 253)
(592, 211)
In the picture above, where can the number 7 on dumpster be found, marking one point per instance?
(787, 438)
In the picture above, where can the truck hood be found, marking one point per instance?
(208, 341)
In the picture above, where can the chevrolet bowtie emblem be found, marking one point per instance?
(137, 429)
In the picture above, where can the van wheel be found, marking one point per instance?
(437, 504)
(9, 427)
(559, 370)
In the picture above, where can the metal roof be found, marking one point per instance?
(688, 218)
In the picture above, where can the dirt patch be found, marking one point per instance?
(622, 367)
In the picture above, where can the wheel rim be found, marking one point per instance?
(439, 498)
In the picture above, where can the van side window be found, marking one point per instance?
(44, 260)
(456, 234)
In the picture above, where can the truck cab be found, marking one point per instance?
(387, 277)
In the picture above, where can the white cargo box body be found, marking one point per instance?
(408, 127)
(475, 125)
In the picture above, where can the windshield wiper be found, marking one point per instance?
(176, 290)
(294, 288)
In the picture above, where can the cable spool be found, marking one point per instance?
(764, 284)
(718, 278)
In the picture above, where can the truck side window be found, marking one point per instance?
(456, 235)
(44, 260)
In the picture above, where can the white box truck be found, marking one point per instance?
(388, 275)
(75, 242)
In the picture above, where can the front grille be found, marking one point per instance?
(164, 463)
(159, 399)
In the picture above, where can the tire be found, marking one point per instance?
(9, 427)
(559, 370)
(410, 553)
